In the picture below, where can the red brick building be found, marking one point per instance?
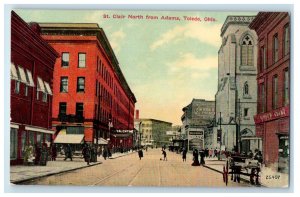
(32, 63)
(91, 95)
(272, 119)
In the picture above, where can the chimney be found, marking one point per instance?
(137, 114)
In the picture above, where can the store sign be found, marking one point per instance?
(275, 114)
(195, 132)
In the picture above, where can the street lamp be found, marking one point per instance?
(140, 143)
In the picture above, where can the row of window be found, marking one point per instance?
(275, 48)
(63, 109)
(65, 60)
(21, 75)
(275, 92)
(64, 83)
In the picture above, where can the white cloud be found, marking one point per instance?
(190, 62)
(208, 34)
(116, 38)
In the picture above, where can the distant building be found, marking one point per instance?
(32, 64)
(91, 95)
(236, 98)
(195, 119)
(273, 111)
(153, 132)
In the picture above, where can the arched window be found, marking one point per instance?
(246, 88)
(247, 51)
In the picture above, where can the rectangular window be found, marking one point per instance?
(275, 92)
(39, 138)
(81, 60)
(262, 59)
(79, 109)
(63, 108)
(275, 48)
(286, 99)
(13, 143)
(44, 98)
(96, 88)
(95, 111)
(64, 84)
(246, 110)
(31, 137)
(26, 90)
(65, 58)
(17, 87)
(24, 137)
(80, 84)
(286, 42)
(75, 130)
(262, 97)
(37, 94)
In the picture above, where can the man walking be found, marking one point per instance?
(140, 152)
(68, 152)
(165, 155)
(184, 155)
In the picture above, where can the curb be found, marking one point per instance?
(52, 173)
(121, 155)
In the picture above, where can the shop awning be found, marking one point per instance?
(41, 86)
(69, 139)
(38, 129)
(22, 75)
(13, 72)
(101, 141)
(31, 83)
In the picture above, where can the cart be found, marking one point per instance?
(239, 165)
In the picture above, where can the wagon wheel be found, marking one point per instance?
(225, 173)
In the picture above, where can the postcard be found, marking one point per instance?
(150, 98)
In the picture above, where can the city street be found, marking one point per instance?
(129, 170)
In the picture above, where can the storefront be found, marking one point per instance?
(273, 127)
(21, 136)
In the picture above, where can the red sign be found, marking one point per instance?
(275, 114)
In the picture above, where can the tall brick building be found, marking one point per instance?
(32, 63)
(91, 95)
(272, 119)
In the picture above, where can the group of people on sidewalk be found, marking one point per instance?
(39, 154)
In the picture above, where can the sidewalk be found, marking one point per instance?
(21, 173)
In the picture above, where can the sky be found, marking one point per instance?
(166, 63)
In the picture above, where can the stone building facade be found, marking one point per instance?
(236, 98)
(195, 120)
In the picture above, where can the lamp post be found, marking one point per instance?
(219, 136)
(140, 143)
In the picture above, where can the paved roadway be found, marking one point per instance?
(150, 171)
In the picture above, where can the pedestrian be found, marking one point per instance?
(165, 155)
(216, 152)
(86, 152)
(44, 155)
(68, 152)
(140, 153)
(99, 151)
(104, 154)
(53, 152)
(202, 156)
(184, 155)
(28, 154)
(250, 154)
(195, 158)
(37, 154)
